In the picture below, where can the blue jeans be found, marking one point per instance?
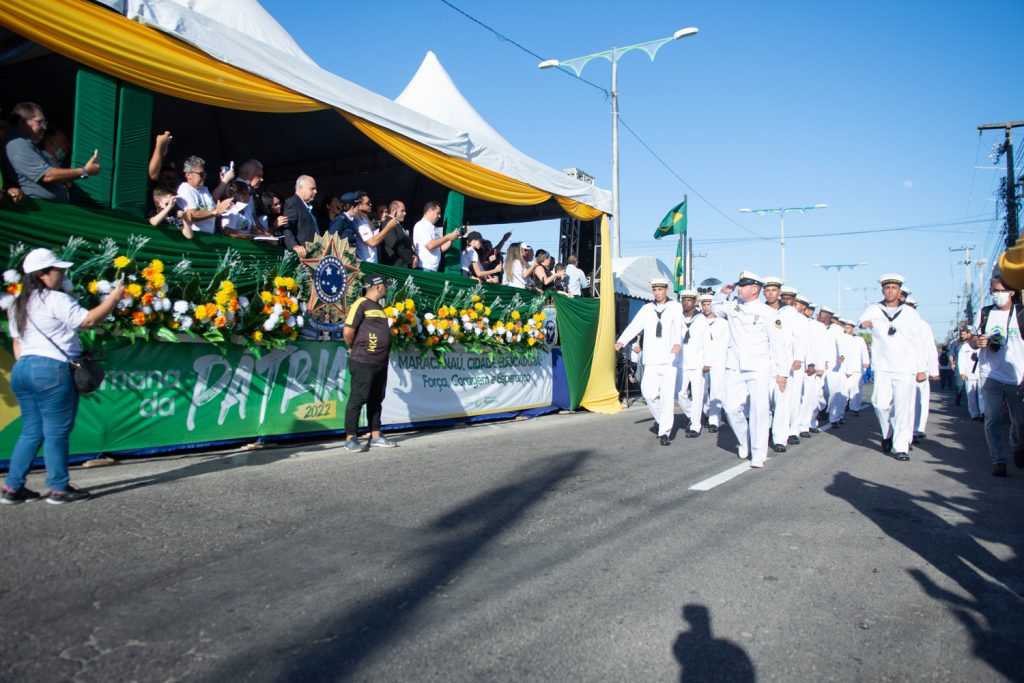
(48, 399)
(994, 392)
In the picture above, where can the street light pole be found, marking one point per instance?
(782, 228)
(839, 279)
(576, 65)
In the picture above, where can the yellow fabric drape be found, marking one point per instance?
(601, 395)
(1011, 266)
(113, 44)
(109, 42)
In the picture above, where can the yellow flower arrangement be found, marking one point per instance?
(121, 261)
(133, 290)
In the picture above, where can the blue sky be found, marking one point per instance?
(869, 107)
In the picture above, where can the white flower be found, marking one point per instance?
(300, 321)
(243, 302)
(430, 328)
(147, 309)
(12, 277)
(465, 318)
(270, 323)
(181, 306)
(103, 287)
(428, 316)
(508, 336)
(302, 306)
(5, 301)
(278, 309)
(451, 339)
(125, 303)
(490, 333)
(186, 322)
(477, 331)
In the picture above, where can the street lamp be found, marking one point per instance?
(839, 279)
(577, 64)
(782, 211)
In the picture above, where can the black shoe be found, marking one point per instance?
(842, 421)
(779, 448)
(1018, 459)
(814, 430)
(856, 413)
(654, 429)
(713, 429)
(835, 425)
(665, 441)
(18, 497)
(917, 438)
(887, 445)
(902, 457)
(793, 440)
(690, 434)
(68, 495)
(805, 435)
(822, 415)
(999, 469)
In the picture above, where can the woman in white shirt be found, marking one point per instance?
(470, 260)
(515, 267)
(44, 323)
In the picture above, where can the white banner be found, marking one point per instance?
(420, 389)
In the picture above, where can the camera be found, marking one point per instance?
(995, 342)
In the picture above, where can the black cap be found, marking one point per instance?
(350, 197)
(372, 280)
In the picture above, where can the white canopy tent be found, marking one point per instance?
(633, 275)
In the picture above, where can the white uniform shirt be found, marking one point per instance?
(423, 232)
(898, 352)
(656, 350)
(818, 345)
(968, 361)
(365, 230)
(1007, 364)
(796, 325)
(56, 315)
(694, 351)
(865, 355)
(718, 342)
(197, 199)
(929, 355)
(848, 349)
(757, 336)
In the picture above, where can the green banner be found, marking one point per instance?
(164, 394)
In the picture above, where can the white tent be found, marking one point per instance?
(633, 275)
(227, 31)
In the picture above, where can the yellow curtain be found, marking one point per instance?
(601, 395)
(1011, 266)
(113, 44)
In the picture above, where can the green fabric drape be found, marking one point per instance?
(131, 174)
(95, 129)
(454, 209)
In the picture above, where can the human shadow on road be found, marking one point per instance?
(336, 647)
(991, 613)
(703, 657)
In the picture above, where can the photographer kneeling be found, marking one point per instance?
(44, 323)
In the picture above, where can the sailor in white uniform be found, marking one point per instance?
(898, 364)
(835, 379)
(826, 359)
(923, 399)
(800, 334)
(782, 401)
(695, 342)
(814, 377)
(857, 391)
(714, 378)
(758, 356)
(967, 362)
(660, 322)
(845, 372)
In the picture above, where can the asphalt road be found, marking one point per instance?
(565, 548)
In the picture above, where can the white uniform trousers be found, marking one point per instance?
(746, 407)
(975, 404)
(659, 390)
(714, 390)
(778, 401)
(813, 400)
(839, 382)
(894, 405)
(795, 391)
(692, 407)
(857, 392)
(922, 402)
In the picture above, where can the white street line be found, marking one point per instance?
(721, 478)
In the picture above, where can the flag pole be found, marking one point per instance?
(683, 240)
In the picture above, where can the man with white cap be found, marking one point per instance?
(923, 397)
(898, 365)
(844, 373)
(758, 356)
(826, 360)
(835, 378)
(660, 323)
(782, 401)
(714, 357)
(817, 354)
(695, 342)
(801, 353)
(864, 362)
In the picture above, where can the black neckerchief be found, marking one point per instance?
(892, 328)
(657, 330)
(686, 337)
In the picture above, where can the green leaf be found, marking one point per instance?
(213, 336)
(164, 334)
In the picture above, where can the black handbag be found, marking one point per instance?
(86, 371)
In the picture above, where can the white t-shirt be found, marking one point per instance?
(364, 231)
(423, 232)
(468, 258)
(56, 315)
(238, 218)
(191, 198)
(516, 279)
(1007, 364)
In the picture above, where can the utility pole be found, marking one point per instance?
(1012, 229)
(692, 255)
(839, 279)
(970, 288)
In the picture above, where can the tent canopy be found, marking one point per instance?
(633, 275)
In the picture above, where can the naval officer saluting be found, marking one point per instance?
(661, 323)
(758, 357)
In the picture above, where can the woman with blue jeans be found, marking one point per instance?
(44, 323)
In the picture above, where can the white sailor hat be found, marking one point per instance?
(806, 301)
(846, 321)
(705, 297)
(789, 291)
(912, 301)
(659, 282)
(748, 278)
(826, 309)
(892, 279)
(688, 293)
(773, 281)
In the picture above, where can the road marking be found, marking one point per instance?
(721, 478)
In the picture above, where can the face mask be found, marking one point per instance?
(67, 285)
(1000, 299)
(59, 155)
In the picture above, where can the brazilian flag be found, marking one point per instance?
(674, 222)
(680, 284)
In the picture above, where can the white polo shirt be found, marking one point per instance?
(56, 315)
(423, 232)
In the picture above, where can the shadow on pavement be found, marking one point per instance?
(339, 645)
(992, 612)
(703, 657)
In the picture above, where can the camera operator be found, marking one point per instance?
(997, 330)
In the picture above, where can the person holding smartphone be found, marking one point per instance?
(430, 243)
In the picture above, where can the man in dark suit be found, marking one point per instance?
(298, 208)
(397, 249)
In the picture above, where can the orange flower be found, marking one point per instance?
(138, 318)
(233, 305)
(410, 315)
(394, 330)
(147, 299)
(220, 321)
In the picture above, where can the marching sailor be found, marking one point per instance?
(714, 357)
(695, 342)
(758, 356)
(845, 372)
(923, 399)
(814, 377)
(864, 360)
(782, 401)
(660, 322)
(898, 363)
(835, 378)
(801, 353)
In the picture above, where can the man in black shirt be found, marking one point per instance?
(368, 336)
(396, 249)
